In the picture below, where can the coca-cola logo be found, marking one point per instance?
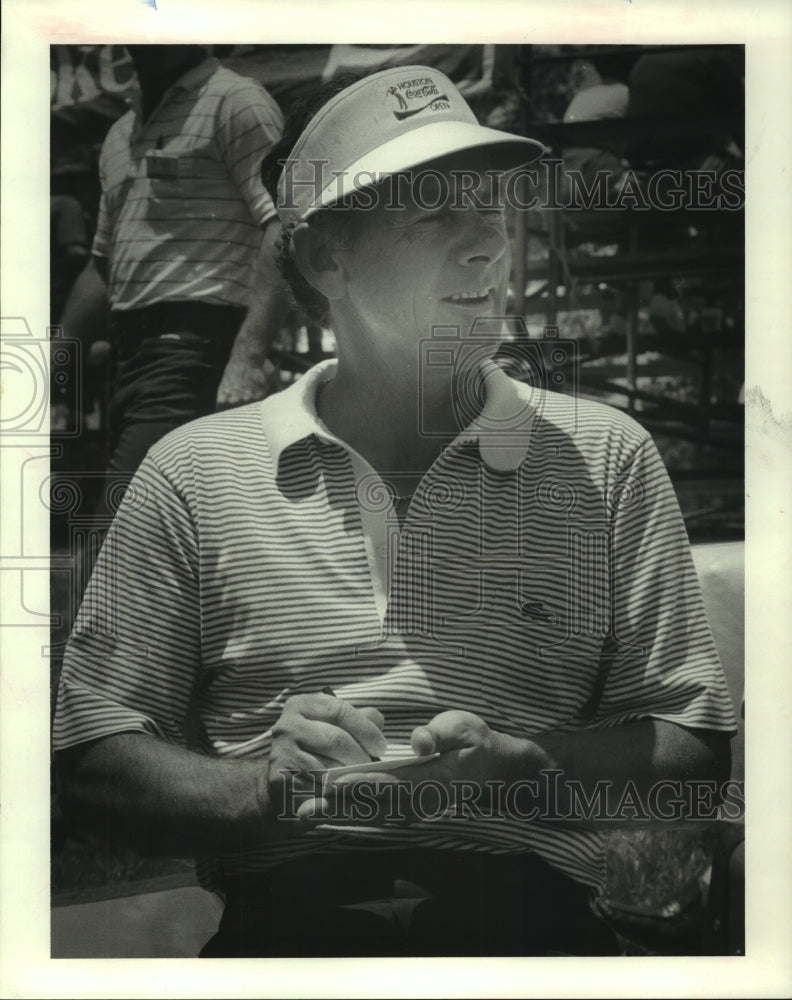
(407, 92)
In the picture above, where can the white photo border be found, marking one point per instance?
(29, 28)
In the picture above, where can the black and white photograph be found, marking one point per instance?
(395, 470)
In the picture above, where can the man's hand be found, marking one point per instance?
(470, 753)
(632, 757)
(318, 731)
(246, 379)
(469, 750)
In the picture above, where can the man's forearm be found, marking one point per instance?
(263, 320)
(84, 315)
(161, 799)
(268, 303)
(248, 374)
(628, 760)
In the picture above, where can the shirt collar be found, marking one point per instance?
(502, 429)
(290, 415)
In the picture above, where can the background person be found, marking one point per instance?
(183, 249)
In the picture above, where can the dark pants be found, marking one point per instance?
(170, 360)
(476, 905)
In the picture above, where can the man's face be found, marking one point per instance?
(164, 60)
(433, 251)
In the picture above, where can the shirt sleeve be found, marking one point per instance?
(249, 125)
(659, 660)
(134, 655)
(101, 240)
(114, 142)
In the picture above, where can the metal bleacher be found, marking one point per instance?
(596, 253)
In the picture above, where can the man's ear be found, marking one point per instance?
(318, 262)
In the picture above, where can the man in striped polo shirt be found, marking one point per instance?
(406, 552)
(183, 248)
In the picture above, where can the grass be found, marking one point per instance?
(653, 869)
(80, 866)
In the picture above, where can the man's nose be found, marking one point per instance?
(482, 236)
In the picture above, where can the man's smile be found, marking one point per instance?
(476, 298)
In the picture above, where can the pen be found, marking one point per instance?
(328, 690)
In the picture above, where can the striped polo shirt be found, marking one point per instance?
(182, 201)
(541, 579)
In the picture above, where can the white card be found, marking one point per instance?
(375, 766)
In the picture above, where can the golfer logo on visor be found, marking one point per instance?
(415, 90)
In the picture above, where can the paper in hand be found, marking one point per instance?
(395, 757)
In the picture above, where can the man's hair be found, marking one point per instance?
(330, 220)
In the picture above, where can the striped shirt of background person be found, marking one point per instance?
(182, 203)
(246, 566)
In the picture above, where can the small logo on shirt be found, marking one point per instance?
(535, 611)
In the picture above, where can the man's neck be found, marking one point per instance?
(399, 422)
